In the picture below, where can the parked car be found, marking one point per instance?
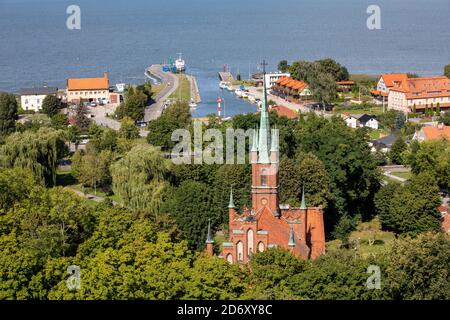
(93, 104)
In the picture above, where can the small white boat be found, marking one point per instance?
(245, 94)
(222, 85)
(192, 104)
(239, 93)
(251, 98)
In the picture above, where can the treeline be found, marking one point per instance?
(125, 255)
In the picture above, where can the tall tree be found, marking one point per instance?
(176, 116)
(8, 113)
(397, 150)
(128, 129)
(418, 268)
(38, 152)
(412, 208)
(140, 178)
(51, 105)
(447, 71)
(283, 66)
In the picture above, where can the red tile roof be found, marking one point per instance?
(391, 78)
(436, 133)
(88, 84)
(283, 111)
(419, 88)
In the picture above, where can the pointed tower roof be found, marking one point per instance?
(274, 146)
(231, 204)
(255, 141)
(209, 238)
(264, 126)
(303, 204)
(291, 242)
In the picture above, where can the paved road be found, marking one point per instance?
(88, 196)
(388, 170)
(170, 81)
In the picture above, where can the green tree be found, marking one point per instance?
(330, 66)
(190, 204)
(323, 87)
(413, 207)
(81, 119)
(447, 71)
(397, 150)
(418, 268)
(283, 66)
(213, 278)
(38, 152)
(307, 172)
(92, 168)
(51, 105)
(339, 275)
(270, 274)
(59, 121)
(133, 106)
(8, 113)
(176, 116)
(128, 129)
(139, 178)
(354, 177)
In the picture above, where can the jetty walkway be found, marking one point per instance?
(170, 82)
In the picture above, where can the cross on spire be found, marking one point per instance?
(264, 64)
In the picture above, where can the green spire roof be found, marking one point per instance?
(264, 126)
(291, 242)
(275, 141)
(255, 141)
(231, 204)
(303, 204)
(209, 238)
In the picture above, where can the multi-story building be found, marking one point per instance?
(31, 98)
(88, 89)
(386, 82)
(272, 78)
(420, 94)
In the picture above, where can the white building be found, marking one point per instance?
(31, 98)
(272, 78)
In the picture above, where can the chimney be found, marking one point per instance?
(105, 74)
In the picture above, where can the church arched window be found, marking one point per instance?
(261, 247)
(240, 251)
(264, 177)
(229, 258)
(250, 245)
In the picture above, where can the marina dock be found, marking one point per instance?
(195, 92)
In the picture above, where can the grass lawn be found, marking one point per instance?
(377, 134)
(376, 110)
(372, 240)
(404, 175)
(157, 89)
(184, 89)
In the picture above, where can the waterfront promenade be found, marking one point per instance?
(170, 82)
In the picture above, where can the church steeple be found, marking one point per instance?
(209, 240)
(303, 204)
(231, 203)
(264, 126)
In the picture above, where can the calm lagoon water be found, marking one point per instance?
(125, 36)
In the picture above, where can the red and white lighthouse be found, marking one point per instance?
(219, 101)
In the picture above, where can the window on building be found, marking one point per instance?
(250, 246)
(264, 177)
(240, 251)
(229, 258)
(261, 247)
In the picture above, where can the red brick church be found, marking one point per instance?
(268, 223)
